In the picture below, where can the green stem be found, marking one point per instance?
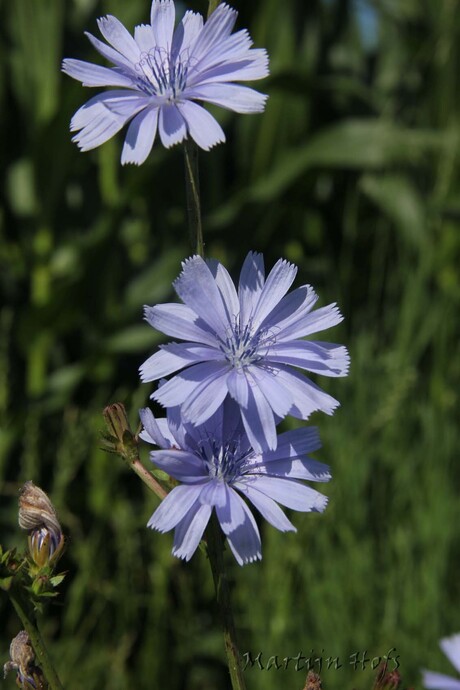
(215, 543)
(41, 654)
(193, 196)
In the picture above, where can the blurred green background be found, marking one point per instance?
(353, 174)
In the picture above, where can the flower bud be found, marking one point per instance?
(22, 660)
(119, 437)
(38, 516)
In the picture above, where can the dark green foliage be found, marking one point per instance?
(352, 173)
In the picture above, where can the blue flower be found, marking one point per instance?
(244, 345)
(438, 681)
(216, 466)
(160, 73)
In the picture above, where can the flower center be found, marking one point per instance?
(223, 461)
(162, 75)
(242, 346)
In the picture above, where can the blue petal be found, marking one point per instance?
(162, 15)
(451, 648)
(259, 421)
(266, 506)
(327, 359)
(140, 137)
(439, 681)
(290, 493)
(152, 432)
(197, 288)
(115, 33)
(180, 464)
(201, 125)
(252, 279)
(179, 321)
(174, 507)
(171, 126)
(240, 99)
(189, 531)
(242, 533)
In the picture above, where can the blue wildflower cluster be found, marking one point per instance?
(238, 371)
(235, 377)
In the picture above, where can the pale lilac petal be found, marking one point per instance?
(224, 52)
(179, 321)
(193, 353)
(307, 396)
(162, 17)
(189, 531)
(197, 288)
(115, 33)
(238, 387)
(306, 324)
(182, 386)
(327, 359)
(244, 539)
(295, 443)
(451, 648)
(161, 364)
(201, 125)
(226, 287)
(140, 137)
(290, 309)
(439, 681)
(180, 464)
(186, 32)
(290, 493)
(252, 280)
(207, 396)
(99, 125)
(145, 39)
(259, 421)
(219, 25)
(172, 126)
(240, 99)
(151, 432)
(278, 396)
(246, 67)
(278, 282)
(266, 506)
(174, 507)
(111, 54)
(214, 494)
(95, 75)
(297, 468)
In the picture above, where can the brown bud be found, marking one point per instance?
(22, 660)
(313, 681)
(118, 438)
(38, 516)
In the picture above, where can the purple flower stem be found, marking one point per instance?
(192, 186)
(215, 548)
(38, 645)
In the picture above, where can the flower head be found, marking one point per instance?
(438, 681)
(160, 73)
(38, 516)
(246, 344)
(216, 465)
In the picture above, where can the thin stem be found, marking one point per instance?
(37, 643)
(215, 543)
(192, 186)
(146, 477)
